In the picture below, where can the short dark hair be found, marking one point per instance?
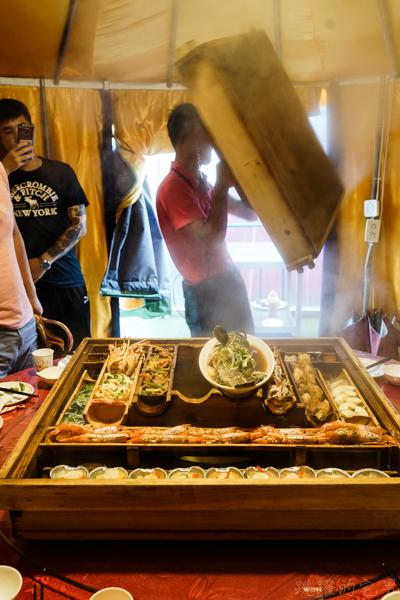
(11, 109)
(181, 121)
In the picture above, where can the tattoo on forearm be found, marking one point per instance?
(76, 230)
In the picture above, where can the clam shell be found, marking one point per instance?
(175, 474)
(101, 473)
(286, 473)
(369, 473)
(214, 473)
(270, 471)
(332, 473)
(90, 466)
(60, 470)
(143, 473)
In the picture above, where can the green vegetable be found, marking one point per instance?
(75, 412)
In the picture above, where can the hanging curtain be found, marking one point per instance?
(359, 110)
(137, 267)
(140, 119)
(75, 128)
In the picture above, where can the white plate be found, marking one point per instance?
(377, 371)
(16, 398)
(64, 361)
(263, 304)
(1, 422)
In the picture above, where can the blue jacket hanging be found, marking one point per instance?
(137, 266)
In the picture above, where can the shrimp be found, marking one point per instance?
(342, 425)
(105, 400)
(72, 432)
(68, 430)
(98, 438)
(350, 436)
(115, 357)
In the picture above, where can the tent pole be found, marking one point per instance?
(43, 103)
(277, 29)
(108, 180)
(173, 43)
(65, 39)
(375, 190)
(387, 34)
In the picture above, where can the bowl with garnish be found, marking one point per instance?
(236, 363)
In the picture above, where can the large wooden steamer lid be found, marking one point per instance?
(260, 127)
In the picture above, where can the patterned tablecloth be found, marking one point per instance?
(197, 570)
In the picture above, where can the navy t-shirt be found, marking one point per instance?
(41, 199)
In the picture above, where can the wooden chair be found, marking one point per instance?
(53, 334)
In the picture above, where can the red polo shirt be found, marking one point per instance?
(181, 201)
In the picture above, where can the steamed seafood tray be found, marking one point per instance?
(116, 383)
(170, 451)
(156, 375)
(279, 397)
(334, 433)
(125, 358)
(311, 389)
(198, 473)
(350, 404)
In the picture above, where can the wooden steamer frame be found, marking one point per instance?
(261, 129)
(201, 509)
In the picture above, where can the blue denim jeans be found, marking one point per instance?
(16, 347)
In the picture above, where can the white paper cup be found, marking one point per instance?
(111, 593)
(43, 358)
(10, 582)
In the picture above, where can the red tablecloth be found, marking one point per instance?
(205, 570)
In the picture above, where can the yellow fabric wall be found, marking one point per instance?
(359, 105)
(75, 127)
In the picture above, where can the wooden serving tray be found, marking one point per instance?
(333, 415)
(284, 403)
(361, 420)
(260, 128)
(152, 405)
(171, 509)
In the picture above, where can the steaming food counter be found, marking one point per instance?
(207, 507)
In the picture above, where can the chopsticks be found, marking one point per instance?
(378, 362)
(41, 591)
(14, 392)
(392, 574)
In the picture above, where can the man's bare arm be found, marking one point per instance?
(70, 237)
(25, 271)
(240, 209)
(211, 232)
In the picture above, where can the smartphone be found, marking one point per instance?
(26, 133)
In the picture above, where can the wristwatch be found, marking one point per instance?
(44, 264)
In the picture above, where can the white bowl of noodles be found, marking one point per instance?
(261, 353)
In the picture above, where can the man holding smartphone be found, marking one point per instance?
(50, 210)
